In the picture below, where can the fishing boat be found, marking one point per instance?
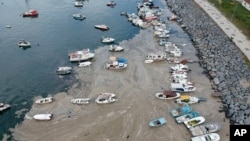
(43, 116)
(194, 121)
(80, 101)
(4, 106)
(85, 64)
(167, 94)
(105, 98)
(107, 40)
(30, 13)
(79, 16)
(187, 99)
(81, 55)
(205, 128)
(186, 117)
(157, 122)
(44, 100)
(115, 48)
(207, 137)
(23, 43)
(180, 111)
(102, 27)
(63, 70)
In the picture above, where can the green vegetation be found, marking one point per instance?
(236, 13)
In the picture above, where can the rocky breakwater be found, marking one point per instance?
(221, 59)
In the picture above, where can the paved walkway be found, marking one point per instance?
(232, 31)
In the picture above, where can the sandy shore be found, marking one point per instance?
(128, 118)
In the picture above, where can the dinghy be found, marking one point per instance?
(157, 122)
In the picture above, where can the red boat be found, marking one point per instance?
(30, 13)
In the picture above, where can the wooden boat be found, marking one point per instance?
(167, 94)
(157, 122)
(105, 98)
(4, 106)
(44, 100)
(205, 128)
(115, 48)
(85, 64)
(43, 116)
(23, 43)
(186, 117)
(63, 70)
(102, 27)
(180, 111)
(194, 121)
(207, 137)
(80, 101)
(30, 13)
(186, 99)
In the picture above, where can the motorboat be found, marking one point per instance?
(205, 128)
(194, 121)
(4, 106)
(147, 61)
(180, 67)
(63, 70)
(111, 3)
(79, 16)
(107, 40)
(179, 87)
(185, 109)
(85, 64)
(81, 55)
(80, 101)
(187, 99)
(157, 122)
(8, 26)
(43, 116)
(23, 43)
(186, 117)
(78, 3)
(30, 13)
(207, 137)
(116, 65)
(167, 94)
(115, 48)
(156, 56)
(105, 98)
(44, 100)
(102, 27)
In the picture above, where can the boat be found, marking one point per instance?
(179, 67)
(111, 3)
(23, 43)
(167, 95)
(163, 35)
(173, 17)
(180, 111)
(44, 100)
(186, 117)
(105, 98)
(157, 122)
(147, 61)
(63, 70)
(186, 99)
(8, 26)
(205, 128)
(4, 106)
(194, 121)
(78, 4)
(30, 13)
(107, 40)
(79, 16)
(102, 27)
(156, 56)
(43, 116)
(162, 42)
(116, 65)
(81, 55)
(207, 137)
(115, 48)
(179, 87)
(85, 64)
(80, 101)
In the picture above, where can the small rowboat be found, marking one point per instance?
(194, 122)
(157, 122)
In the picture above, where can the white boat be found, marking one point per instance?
(187, 117)
(102, 27)
(23, 43)
(105, 98)
(78, 4)
(156, 56)
(184, 73)
(8, 26)
(80, 101)
(4, 106)
(187, 99)
(115, 48)
(79, 16)
(167, 95)
(173, 60)
(43, 116)
(107, 40)
(63, 70)
(85, 64)
(194, 121)
(116, 65)
(207, 137)
(147, 61)
(179, 87)
(179, 67)
(111, 3)
(81, 55)
(176, 53)
(44, 100)
(205, 128)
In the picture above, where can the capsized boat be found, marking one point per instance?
(207, 137)
(194, 121)
(44, 100)
(205, 128)
(167, 94)
(79, 16)
(107, 40)
(115, 48)
(63, 70)
(30, 13)
(4, 106)
(80, 101)
(102, 27)
(185, 109)
(85, 64)
(157, 122)
(105, 98)
(187, 99)
(81, 55)
(23, 43)
(43, 116)
(186, 117)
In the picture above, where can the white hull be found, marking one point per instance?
(210, 136)
(4, 106)
(84, 64)
(43, 116)
(81, 55)
(194, 121)
(105, 98)
(80, 101)
(162, 96)
(44, 100)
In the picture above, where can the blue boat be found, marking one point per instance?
(157, 122)
(186, 117)
(180, 111)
